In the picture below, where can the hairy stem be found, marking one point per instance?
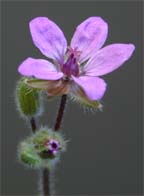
(45, 172)
(57, 125)
(46, 182)
(60, 113)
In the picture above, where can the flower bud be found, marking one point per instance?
(28, 99)
(42, 149)
(48, 144)
(28, 156)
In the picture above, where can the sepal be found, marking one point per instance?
(87, 104)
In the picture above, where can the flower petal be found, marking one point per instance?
(40, 69)
(89, 36)
(48, 37)
(94, 87)
(108, 59)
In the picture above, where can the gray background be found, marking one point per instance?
(104, 155)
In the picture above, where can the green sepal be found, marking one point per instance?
(37, 84)
(87, 104)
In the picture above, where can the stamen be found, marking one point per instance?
(72, 55)
(71, 67)
(53, 146)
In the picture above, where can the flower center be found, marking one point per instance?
(71, 66)
(53, 146)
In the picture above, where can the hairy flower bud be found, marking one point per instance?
(28, 156)
(42, 149)
(28, 99)
(48, 144)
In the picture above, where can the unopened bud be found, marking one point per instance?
(28, 99)
(28, 156)
(42, 149)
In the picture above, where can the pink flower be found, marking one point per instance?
(73, 69)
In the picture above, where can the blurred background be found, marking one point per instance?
(104, 155)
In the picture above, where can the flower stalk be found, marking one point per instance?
(46, 182)
(60, 113)
(46, 172)
(33, 124)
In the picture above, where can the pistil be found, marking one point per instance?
(71, 67)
